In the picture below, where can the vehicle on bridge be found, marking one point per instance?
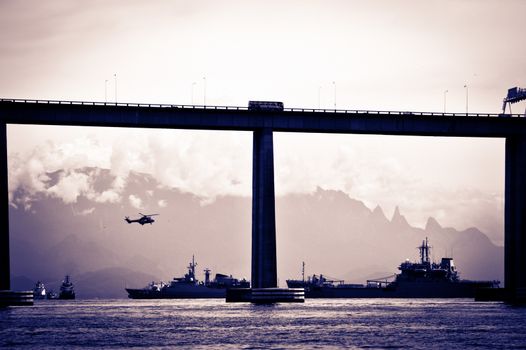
(265, 106)
(144, 219)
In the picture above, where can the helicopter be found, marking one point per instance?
(145, 219)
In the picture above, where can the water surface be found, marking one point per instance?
(342, 323)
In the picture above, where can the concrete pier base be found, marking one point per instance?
(266, 295)
(12, 298)
(277, 295)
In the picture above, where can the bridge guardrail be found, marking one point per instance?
(237, 108)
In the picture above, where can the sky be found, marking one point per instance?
(385, 55)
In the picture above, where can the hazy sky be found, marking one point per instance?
(381, 55)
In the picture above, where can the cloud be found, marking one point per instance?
(205, 163)
(30, 172)
(70, 187)
(135, 201)
(423, 176)
(84, 212)
(111, 195)
(162, 203)
(419, 175)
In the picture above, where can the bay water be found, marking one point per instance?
(214, 324)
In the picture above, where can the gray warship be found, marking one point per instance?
(189, 287)
(423, 279)
(67, 290)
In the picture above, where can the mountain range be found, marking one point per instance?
(333, 234)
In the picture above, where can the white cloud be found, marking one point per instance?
(205, 163)
(135, 201)
(29, 170)
(444, 178)
(112, 195)
(162, 203)
(108, 196)
(70, 187)
(461, 188)
(83, 212)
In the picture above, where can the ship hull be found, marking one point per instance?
(179, 292)
(466, 289)
(66, 296)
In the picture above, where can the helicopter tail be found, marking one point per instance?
(127, 219)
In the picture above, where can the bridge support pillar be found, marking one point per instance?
(264, 264)
(515, 219)
(5, 272)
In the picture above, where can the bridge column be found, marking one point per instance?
(264, 265)
(5, 282)
(515, 219)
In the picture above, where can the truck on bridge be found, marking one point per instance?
(265, 106)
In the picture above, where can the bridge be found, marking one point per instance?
(263, 123)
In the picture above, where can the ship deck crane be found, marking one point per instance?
(515, 95)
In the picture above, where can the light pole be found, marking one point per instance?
(105, 90)
(445, 99)
(467, 94)
(115, 79)
(204, 91)
(334, 83)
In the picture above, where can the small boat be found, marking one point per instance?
(39, 292)
(51, 295)
(67, 290)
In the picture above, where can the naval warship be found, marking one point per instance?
(189, 287)
(67, 290)
(423, 279)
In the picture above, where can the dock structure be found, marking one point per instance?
(19, 298)
(263, 122)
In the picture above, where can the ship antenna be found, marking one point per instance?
(424, 252)
(191, 268)
(303, 270)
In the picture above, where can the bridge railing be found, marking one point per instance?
(236, 108)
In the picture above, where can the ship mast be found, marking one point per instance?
(303, 270)
(424, 252)
(191, 268)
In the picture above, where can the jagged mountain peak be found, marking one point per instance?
(432, 224)
(378, 212)
(398, 219)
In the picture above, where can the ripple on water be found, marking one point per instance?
(362, 323)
